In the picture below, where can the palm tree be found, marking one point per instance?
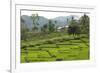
(35, 24)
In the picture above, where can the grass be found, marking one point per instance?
(55, 47)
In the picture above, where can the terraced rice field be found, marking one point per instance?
(59, 49)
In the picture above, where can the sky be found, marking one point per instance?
(49, 15)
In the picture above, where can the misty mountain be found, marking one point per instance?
(39, 21)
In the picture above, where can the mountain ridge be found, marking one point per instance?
(39, 21)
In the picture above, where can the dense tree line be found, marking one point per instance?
(81, 27)
(73, 27)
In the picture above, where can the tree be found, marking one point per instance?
(24, 30)
(44, 28)
(51, 26)
(35, 29)
(73, 27)
(34, 17)
(84, 24)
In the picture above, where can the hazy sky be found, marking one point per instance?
(49, 15)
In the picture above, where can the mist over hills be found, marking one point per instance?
(59, 21)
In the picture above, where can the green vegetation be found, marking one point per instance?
(52, 45)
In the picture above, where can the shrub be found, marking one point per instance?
(59, 59)
(77, 38)
(24, 46)
(49, 42)
(37, 44)
(31, 45)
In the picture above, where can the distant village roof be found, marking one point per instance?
(62, 27)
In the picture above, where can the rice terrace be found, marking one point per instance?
(54, 36)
